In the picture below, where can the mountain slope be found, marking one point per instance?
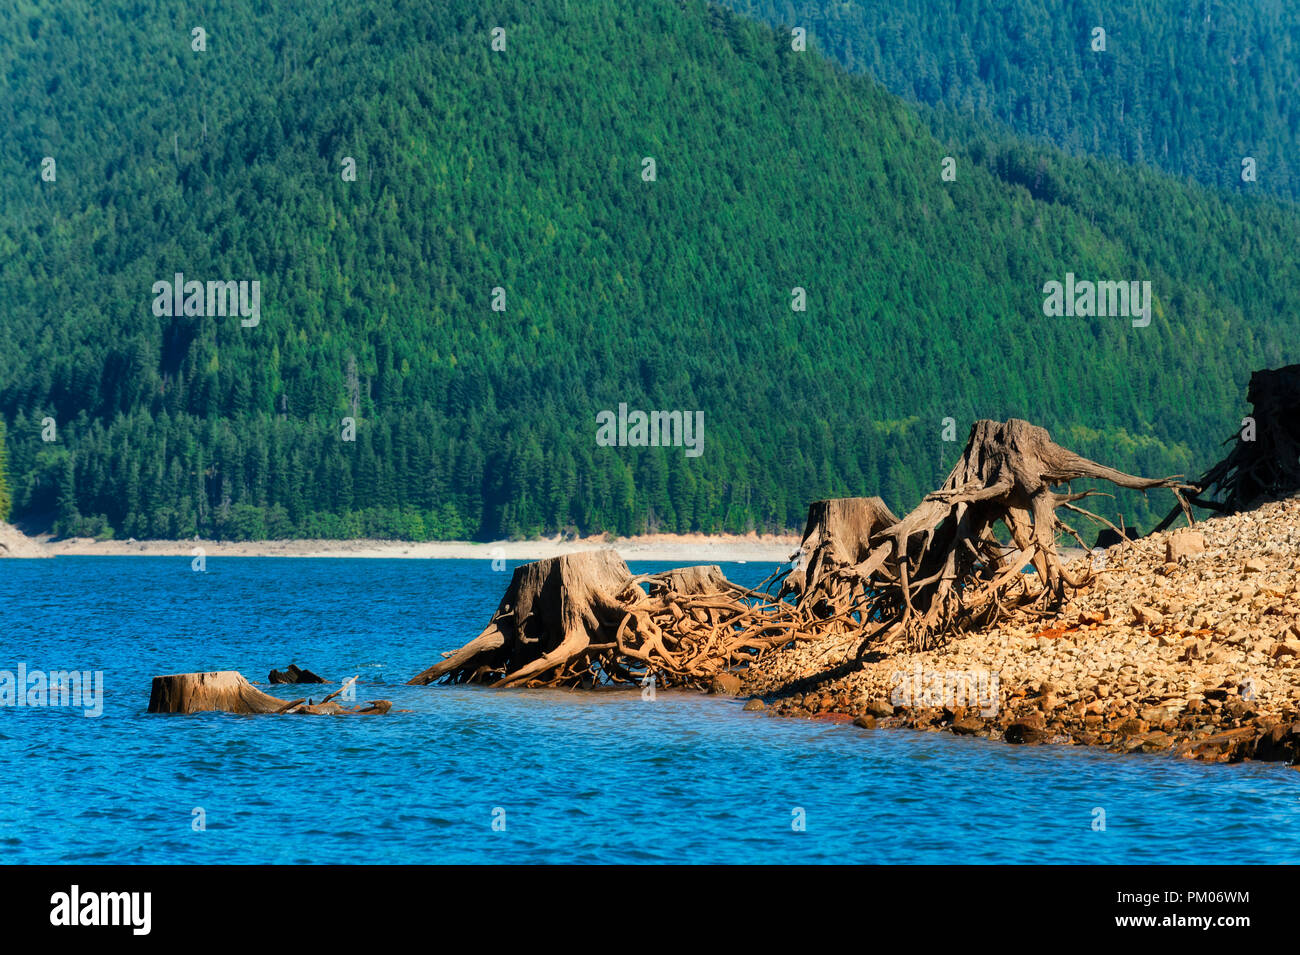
(522, 170)
(1189, 86)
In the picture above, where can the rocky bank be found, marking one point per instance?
(14, 543)
(1186, 642)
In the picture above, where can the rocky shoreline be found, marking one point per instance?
(1188, 642)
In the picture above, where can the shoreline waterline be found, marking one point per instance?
(701, 548)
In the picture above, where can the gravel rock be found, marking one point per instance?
(1199, 656)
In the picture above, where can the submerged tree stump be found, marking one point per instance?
(292, 674)
(227, 691)
(1265, 457)
(223, 690)
(581, 619)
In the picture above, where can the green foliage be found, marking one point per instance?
(522, 170)
(6, 499)
(1188, 86)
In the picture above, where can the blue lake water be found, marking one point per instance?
(594, 777)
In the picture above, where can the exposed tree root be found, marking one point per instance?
(582, 619)
(1264, 460)
(862, 573)
(831, 581)
(942, 569)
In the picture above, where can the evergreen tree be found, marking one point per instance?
(6, 500)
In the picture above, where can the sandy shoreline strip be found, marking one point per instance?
(686, 548)
(697, 548)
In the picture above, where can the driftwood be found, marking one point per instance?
(942, 568)
(582, 619)
(1264, 460)
(228, 692)
(292, 674)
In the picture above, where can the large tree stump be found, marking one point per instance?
(1265, 458)
(942, 568)
(228, 692)
(834, 560)
(223, 690)
(548, 616)
(581, 619)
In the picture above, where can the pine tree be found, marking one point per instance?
(6, 501)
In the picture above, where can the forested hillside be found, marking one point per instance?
(1189, 86)
(522, 169)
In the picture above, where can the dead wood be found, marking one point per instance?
(1265, 459)
(292, 674)
(831, 576)
(227, 691)
(583, 619)
(943, 568)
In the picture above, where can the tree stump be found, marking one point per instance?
(1264, 460)
(582, 619)
(942, 568)
(292, 674)
(835, 556)
(223, 690)
(227, 691)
